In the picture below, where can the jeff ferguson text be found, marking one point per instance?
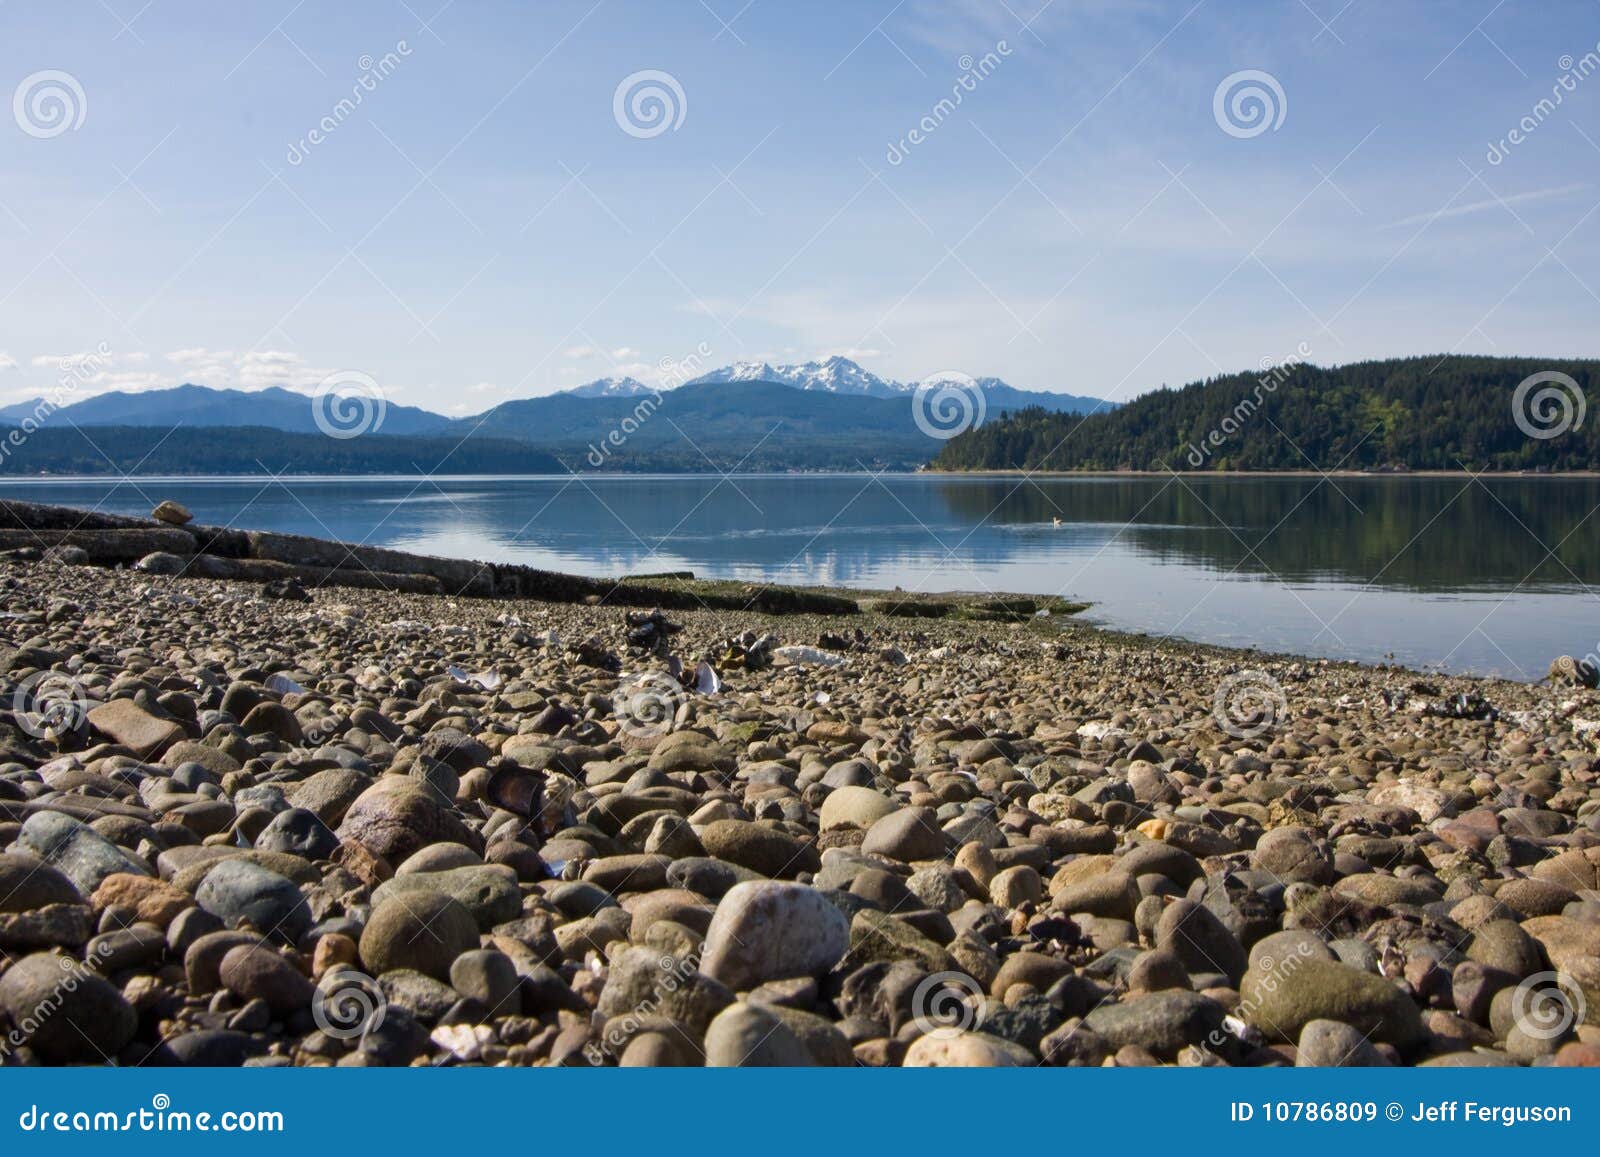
(1422, 1113)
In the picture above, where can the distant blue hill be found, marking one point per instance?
(829, 415)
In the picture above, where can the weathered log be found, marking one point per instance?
(265, 571)
(17, 515)
(106, 546)
(458, 577)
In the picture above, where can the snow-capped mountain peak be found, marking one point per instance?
(840, 375)
(835, 375)
(610, 388)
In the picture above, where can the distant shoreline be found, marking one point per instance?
(1019, 473)
(108, 476)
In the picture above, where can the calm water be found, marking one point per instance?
(1490, 576)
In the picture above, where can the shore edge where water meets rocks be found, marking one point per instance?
(252, 820)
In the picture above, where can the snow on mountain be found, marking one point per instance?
(610, 388)
(840, 375)
(836, 375)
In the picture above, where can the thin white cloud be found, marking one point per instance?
(250, 370)
(623, 352)
(129, 381)
(65, 361)
(579, 352)
(196, 354)
(1499, 203)
(7, 362)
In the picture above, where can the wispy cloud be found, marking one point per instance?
(1500, 203)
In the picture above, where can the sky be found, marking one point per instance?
(494, 217)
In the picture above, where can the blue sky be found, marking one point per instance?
(481, 226)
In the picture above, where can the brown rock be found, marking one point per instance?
(398, 815)
(153, 901)
(124, 721)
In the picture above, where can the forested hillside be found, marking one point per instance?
(1425, 413)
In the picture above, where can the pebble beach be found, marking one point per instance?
(299, 825)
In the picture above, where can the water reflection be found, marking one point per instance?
(1486, 574)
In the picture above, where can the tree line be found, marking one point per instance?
(1422, 413)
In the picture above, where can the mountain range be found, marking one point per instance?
(840, 375)
(820, 415)
(190, 405)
